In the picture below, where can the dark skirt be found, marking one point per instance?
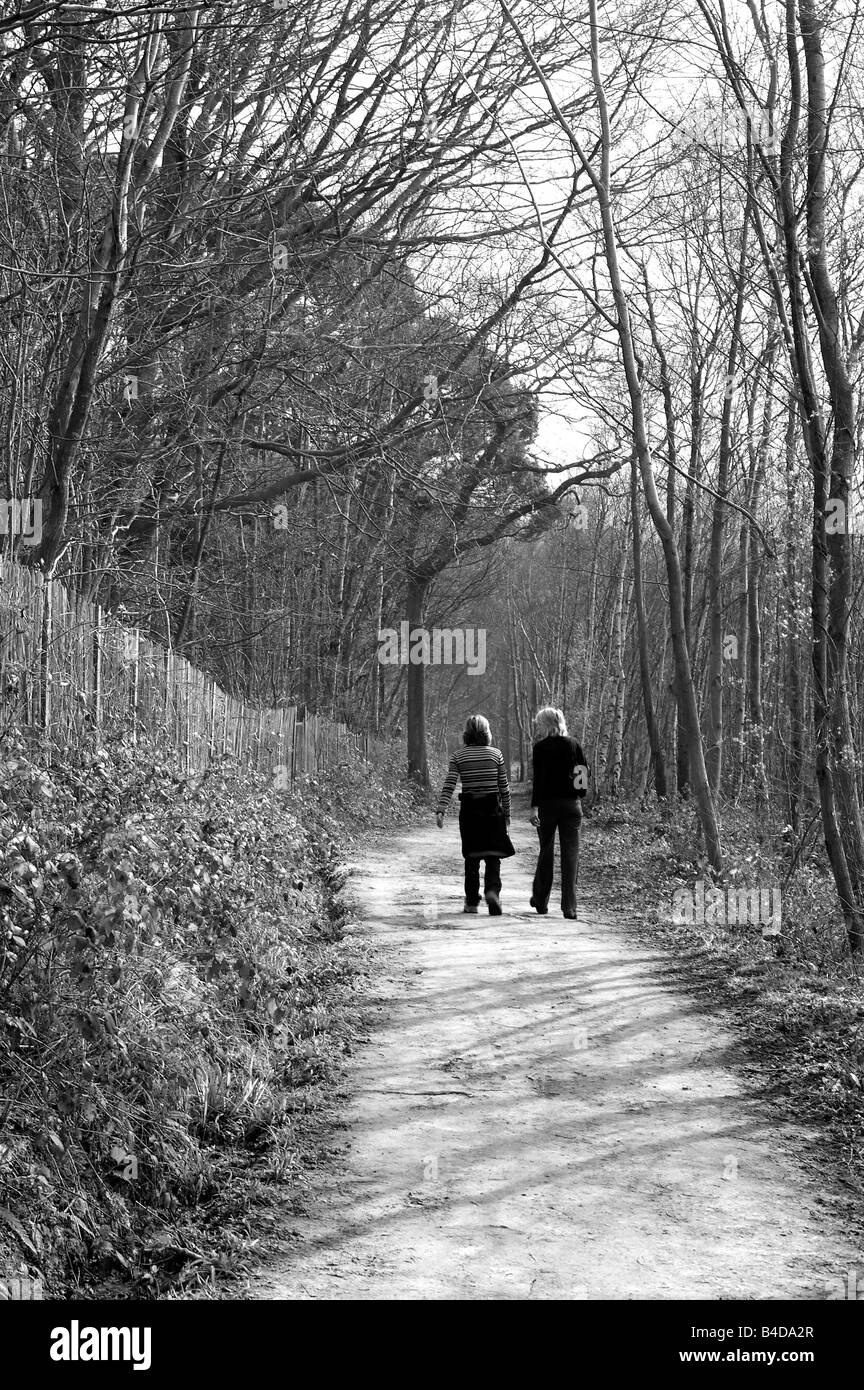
(483, 828)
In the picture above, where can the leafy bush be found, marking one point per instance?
(170, 1005)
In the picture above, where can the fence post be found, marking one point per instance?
(188, 719)
(136, 666)
(97, 666)
(166, 700)
(211, 736)
(44, 654)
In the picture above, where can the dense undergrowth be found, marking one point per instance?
(798, 996)
(174, 1004)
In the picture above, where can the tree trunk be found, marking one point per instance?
(614, 755)
(795, 762)
(714, 754)
(828, 613)
(688, 516)
(684, 676)
(654, 740)
(418, 768)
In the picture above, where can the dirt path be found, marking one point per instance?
(542, 1113)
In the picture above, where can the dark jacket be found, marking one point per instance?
(560, 770)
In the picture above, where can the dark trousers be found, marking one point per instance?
(491, 879)
(565, 816)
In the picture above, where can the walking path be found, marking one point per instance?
(542, 1112)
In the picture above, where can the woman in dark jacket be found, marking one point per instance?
(484, 812)
(560, 780)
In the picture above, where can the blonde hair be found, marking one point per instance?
(549, 721)
(477, 731)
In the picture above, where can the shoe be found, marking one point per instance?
(540, 910)
(493, 903)
(469, 907)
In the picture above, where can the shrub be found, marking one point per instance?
(169, 1002)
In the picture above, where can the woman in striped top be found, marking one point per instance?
(484, 812)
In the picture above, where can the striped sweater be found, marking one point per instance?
(482, 771)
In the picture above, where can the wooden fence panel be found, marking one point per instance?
(66, 666)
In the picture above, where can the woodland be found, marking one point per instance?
(543, 320)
